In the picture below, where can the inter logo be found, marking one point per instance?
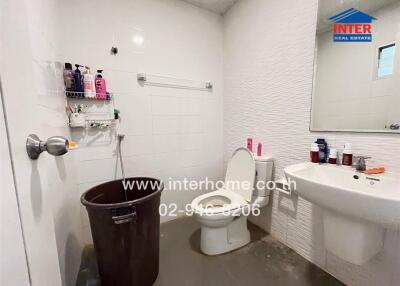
(352, 25)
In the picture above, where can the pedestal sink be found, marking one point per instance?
(357, 208)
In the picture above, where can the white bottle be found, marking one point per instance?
(88, 84)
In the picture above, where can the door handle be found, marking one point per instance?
(56, 145)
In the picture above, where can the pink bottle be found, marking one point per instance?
(250, 144)
(100, 83)
(259, 149)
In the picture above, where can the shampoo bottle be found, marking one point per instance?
(69, 78)
(101, 90)
(78, 80)
(88, 84)
(347, 158)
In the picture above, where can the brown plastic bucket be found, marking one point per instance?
(126, 233)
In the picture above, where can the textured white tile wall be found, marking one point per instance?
(268, 71)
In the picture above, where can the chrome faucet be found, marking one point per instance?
(360, 164)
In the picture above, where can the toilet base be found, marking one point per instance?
(218, 240)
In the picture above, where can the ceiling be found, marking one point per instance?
(216, 6)
(329, 8)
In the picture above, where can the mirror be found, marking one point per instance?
(357, 66)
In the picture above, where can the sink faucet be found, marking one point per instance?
(360, 163)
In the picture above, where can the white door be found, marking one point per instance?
(13, 264)
(39, 185)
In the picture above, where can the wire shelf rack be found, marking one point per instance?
(88, 96)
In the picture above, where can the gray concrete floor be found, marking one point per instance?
(265, 261)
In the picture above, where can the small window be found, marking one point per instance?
(386, 60)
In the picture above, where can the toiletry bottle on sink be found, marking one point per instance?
(323, 150)
(314, 153)
(347, 158)
(332, 156)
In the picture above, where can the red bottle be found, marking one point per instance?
(332, 156)
(347, 158)
(314, 153)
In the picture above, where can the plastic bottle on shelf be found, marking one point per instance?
(88, 84)
(78, 80)
(101, 89)
(69, 78)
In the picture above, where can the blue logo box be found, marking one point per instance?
(352, 38)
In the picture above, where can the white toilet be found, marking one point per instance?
(223, 213)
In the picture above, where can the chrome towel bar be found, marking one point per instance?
(166, 81)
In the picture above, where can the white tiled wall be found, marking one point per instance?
(268, 71)
(169, 132)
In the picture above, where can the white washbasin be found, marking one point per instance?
(371, 197)
(357, 207)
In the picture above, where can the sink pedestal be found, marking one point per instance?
(354, 240)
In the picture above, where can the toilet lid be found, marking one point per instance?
(240, 173)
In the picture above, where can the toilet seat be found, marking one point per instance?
(220, 201)
(235, 195)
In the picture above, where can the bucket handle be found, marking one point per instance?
(121, 219)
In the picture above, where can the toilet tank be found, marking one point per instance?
(264, 169)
